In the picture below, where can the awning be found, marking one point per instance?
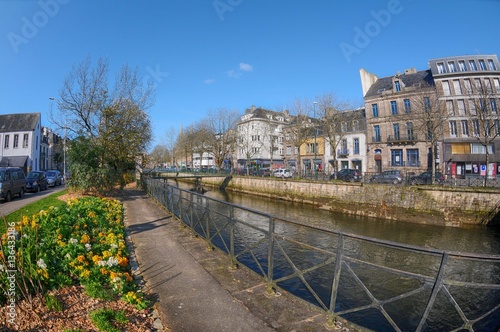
(14, 161)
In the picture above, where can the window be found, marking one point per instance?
(457, 87)
(491, 64)
(412, 157)
(482, 65)
(450, 108)
(343, 146)
(289, 150)
(394, 107)
(487, 128)
(355, 125)
(375, 110)
(356, 146)
(496, 82)
(6, 142)
(25, 140)
(478, 148)
(427, 103)
(493, 105)
(451, 67)
(461, 65)
(446, 88)
(497, 127)
(461, 107)
(489, 88)
(255, 138)
(468, 86)
(16, 141)
(397, 86)
(376, 133)
(407, 106)
(409, 130)
(472, 65)
(312, 148)
(453, 128)
(343, 127)
(397, 157)
(478, 85)
(475, 128)
(395, 127)
(441, 68)
(465, 128)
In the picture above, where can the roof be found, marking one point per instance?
(385, 83)
(19, 122)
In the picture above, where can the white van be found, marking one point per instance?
(12, 182)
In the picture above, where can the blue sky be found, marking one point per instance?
(209, 54)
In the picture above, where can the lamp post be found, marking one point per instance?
(64, 141)
(315, 146)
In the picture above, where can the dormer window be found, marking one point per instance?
(472, 65)
(441, 68)
(451, 67)
(397, 86)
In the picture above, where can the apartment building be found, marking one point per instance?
(469, 87)
(394, 107)
(260, 138)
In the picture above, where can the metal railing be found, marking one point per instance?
(380, 285)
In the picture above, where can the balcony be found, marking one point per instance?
(342, 153)
(402, 139)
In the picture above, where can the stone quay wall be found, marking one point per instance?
(446, 206)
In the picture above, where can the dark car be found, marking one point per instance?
(426, 178)
(36, 181)
(12, 182)
(348, 174)
(389, 176)
(54, 177)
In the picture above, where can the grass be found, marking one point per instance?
(30, 209)
(107, 320)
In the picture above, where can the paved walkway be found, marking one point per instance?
(195, 289)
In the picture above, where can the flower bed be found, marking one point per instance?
(80, 243)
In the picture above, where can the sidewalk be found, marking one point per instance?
(195, 289)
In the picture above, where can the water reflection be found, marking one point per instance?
(476, 239)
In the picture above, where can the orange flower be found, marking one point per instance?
(85, 239)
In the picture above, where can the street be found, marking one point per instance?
(16, 203)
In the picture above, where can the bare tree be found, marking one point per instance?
(246, 143)
(300, 126)
(426, 115)
(220, 127)
(483, 116)
(334, 116)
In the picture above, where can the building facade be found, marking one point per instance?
(21, 141)
(469, 87)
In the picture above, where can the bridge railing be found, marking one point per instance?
(380, 285)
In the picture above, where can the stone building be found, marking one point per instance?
(469, 87)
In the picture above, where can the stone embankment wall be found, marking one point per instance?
(425, 204)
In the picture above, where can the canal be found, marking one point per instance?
(475, 239)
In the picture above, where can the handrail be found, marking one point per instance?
(405, 287)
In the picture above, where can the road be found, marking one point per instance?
(16, 203)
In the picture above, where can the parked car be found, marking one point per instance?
(389, 176)
(54, 177)
(348, 174)
(263, 171)
(12, 182)
(36, 181)
(426, 178)
(283, 173)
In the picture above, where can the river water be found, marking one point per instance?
(474, 239)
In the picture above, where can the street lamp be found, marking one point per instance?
(315, 147)
(64, 141)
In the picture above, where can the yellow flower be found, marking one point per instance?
(96, 258)
(85, 274)
(106, 254)
(25, 221)
(85, 239)
(80, 258)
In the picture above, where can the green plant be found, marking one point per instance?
(106, 319)
(53, 303)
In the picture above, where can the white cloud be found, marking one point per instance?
(209, 81)
(245, 67)
(233, 73)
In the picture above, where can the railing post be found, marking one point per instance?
(331, 320)
(435, 290)
(270, 259)
(234, 263)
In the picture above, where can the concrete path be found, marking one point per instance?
(195, 289)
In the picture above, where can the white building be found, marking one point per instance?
(21, 141)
